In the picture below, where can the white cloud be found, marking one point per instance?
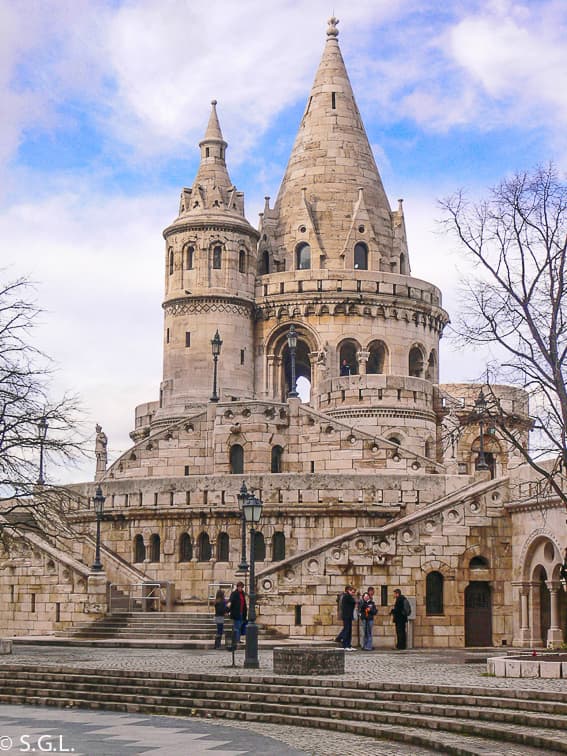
(518, 56)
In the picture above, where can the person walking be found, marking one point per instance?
(348, 605)
(367, 613)
(238, 609)
(400, 616)
(221, 609)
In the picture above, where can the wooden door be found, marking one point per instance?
(478, 614)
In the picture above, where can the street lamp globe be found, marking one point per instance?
(216, 343)
(252, 510)
(292, 337)
(42, 427)
(98, 501)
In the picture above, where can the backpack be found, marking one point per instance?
(407, 607)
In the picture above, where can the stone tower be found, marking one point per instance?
(210, 270)
(333, 260)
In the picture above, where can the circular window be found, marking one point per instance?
(302, 229)
(361, 229)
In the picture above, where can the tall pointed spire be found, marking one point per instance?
(212, 190)
(331, 174)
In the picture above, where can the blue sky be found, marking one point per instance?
(104, 102)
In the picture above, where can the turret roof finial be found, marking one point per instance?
(332, 30)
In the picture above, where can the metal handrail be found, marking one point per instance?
(142, 597)
(214, 587)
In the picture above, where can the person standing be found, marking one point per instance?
(347, 610)
(238, 609)
(400, 618)
(368, 611)
(220, 611)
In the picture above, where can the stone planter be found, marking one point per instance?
(309, 661)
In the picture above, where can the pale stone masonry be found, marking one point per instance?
(370, 481)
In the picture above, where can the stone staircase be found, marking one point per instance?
(194, 629)
(462, 721)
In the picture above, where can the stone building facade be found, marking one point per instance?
(369, 480)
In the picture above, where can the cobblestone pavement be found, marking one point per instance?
(422, 667)
(445, 667)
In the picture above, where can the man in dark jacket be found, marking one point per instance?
(400, 618)
(348, 603)
(238, 609)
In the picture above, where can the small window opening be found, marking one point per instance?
(186, 469)
(242, 356)
(33, 602)
(57, 611)
(217, 257)
(242, 261)
(187, 338)
(167, 336)
(297, 615)
(333, 100)
(312, 466)
(207, 152)
(383, 595)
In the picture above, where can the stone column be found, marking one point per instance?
(271, 362)
(524, 634)
(362, 358)
(555, 633)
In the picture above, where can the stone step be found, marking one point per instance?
(348, 699)
(262, 700)
(448, 742)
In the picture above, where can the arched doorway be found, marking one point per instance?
(478, 614)
(302, 367)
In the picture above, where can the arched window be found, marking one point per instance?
(242, 261)
(236, 459)
(189, 258)
(154, 548)
(265, 263)
(185, 548)
(170, 257)
(222, 547)
(479, 563)
(376, 359)
(277, 452)
(416, 362)
(431, 372)
(360, 256)
(278, 546)
(217, 257)
(259, 547)
(347, 356)
(139, 549)
(203, 548)
(434, 593)
(303, 256)
(429, 448)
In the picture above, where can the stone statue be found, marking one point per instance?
(101, 442)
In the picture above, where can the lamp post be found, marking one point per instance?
(42, 427)
(242, 500)
(292, 344)
(252, 510)
(98, 501)
(216, 344)
(480, 409)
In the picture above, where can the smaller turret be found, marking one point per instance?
(210, 269)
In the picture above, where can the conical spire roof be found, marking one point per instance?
(332, 174)
(213, 191)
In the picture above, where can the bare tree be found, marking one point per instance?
(517, 299)
(32, 424)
